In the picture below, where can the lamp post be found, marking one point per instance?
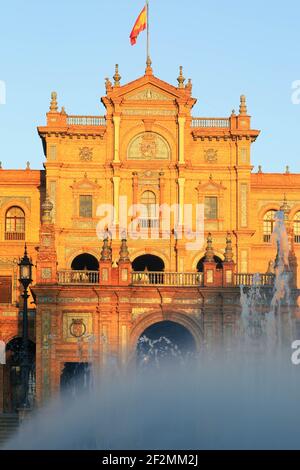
(25, 279)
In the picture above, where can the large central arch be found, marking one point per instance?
(165, 342)
(189, 323)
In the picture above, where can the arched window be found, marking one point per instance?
(15, 224)
(297, 227)
(269, 221)
(149, 217)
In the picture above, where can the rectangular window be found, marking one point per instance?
(5, 289)
(86, 207)
(52, 152)
(211, 208)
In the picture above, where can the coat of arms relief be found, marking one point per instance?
(148, 146)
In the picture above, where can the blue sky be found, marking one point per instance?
(226, 47)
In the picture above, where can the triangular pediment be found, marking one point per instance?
(210, 186)
(85, 184)
(147, 89)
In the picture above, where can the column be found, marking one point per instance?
(116, 191)
(181, 123)
(181, 184)
(117, 120)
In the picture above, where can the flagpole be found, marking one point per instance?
(148, 32)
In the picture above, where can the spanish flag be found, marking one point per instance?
(140, 25)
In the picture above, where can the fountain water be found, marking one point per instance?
(247, 399)
(262, 323)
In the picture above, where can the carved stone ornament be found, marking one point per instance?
(211, 156)
(148, 146)
(86, 154)
(77, 328)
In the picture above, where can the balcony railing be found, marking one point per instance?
(14, 236)
(78, 277)
(167, 279)
(149, 223)
(86, 121)
(260, 280)
(211, 122)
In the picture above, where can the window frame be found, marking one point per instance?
(216, 208)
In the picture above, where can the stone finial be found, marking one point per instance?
(189, 85)
(260, 169)
(209, 253)
(27, 165)
(285, 208)
(106, 253)
(124, 253)
(47, 208)
(1, 166)
(53, 102)
(108, 84)
(233, 113)
(243, 105)
(287, 170)
(117, 77)
(181, 78)
(149, 70)
(228, 255)
(63, 111)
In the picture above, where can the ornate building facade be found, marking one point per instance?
(94, 299)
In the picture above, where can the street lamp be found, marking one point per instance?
(25, 279)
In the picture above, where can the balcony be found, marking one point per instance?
(17, 236)
(165, 279)
(220, 123)
(86, 121)
(149, 223)
(78, 277)
(259, 280)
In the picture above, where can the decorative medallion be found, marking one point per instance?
(211, 156)
(86, 154)
(148, 146)
(77, 328)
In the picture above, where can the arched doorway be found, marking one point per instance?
(165, 342)
(218, 261)
(85, 262)
(148, 262)
(12, 375)
(75, 378)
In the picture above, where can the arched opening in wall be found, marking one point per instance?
(12, 383)
(85, 262)
(148, 262)
(200, 265)
(165, 342)
(75, 378)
